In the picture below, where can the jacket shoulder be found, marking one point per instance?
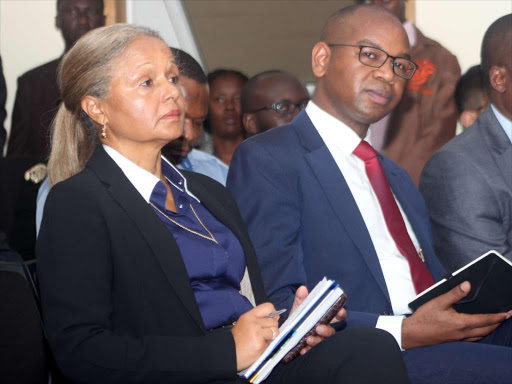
(41, 72)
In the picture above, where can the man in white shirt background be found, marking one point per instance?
(319, 201)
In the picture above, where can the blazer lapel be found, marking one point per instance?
(499, 143)
(339, 195)
(155, 233)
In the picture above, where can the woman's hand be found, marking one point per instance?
(322, 331)
(252, 333)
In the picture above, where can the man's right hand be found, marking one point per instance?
(436, 321)
(252, 333)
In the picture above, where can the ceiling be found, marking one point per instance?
(257, 35)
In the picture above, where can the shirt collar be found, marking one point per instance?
(411, 33)
(144, 181)
(333, 132)
(505, 123)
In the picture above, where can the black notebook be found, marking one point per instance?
(490, 276)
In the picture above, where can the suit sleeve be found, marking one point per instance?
(464, 210)
(77, 276)
(270, 208)
(20, 121)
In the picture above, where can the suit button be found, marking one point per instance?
(387, 313)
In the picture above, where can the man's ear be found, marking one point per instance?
(93, 108)
(250, 123)
(320, 58)
(498, 78)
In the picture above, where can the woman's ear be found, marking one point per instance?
(92, 106)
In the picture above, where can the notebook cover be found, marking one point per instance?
(491, 286)
(325, 319)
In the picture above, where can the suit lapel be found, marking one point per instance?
(155, 233)
(499, 143)
(339, 195)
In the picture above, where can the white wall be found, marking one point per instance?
(460, 25)
(28, 38)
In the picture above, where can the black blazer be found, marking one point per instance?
(36, 104)
(116, 297)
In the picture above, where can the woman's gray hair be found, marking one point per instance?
(85, 70)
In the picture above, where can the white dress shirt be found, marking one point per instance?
(505, 123)
(341, 142)
(144, 181)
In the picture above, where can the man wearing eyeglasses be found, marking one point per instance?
(319, 201)
(271, 99)
(426, 117)
(37, 96)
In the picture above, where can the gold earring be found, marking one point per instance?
(104, 131)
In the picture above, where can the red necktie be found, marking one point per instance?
(421, 277)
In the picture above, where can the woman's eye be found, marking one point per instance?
(147, 83)
(174, 79)
(219, 99)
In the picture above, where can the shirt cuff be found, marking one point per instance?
(393, 325)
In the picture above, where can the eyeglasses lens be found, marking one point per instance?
(374, 57)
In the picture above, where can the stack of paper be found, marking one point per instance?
(319, 301)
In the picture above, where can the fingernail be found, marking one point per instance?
(464, 286)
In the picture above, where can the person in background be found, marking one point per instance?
(194, 86)
(3, 112)
(319, 201)
(37, 95)
(471, 96)
(467, 184)
(426, 117)
(140, 264)
(224, 112)
(271, 99)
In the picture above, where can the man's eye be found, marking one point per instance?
(370, 55)
(174, 79)
(147, 83)
(400, 66)
(219, 99)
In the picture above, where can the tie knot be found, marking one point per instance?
(365, 151)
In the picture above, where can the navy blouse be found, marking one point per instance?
(213, 256)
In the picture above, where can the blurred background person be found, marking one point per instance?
(426, 117)
(471, 96)
(194, 86)
(225, 113)
(468, 183)
(3, 112)
(270, 99)
(37, 95)
(140, 265)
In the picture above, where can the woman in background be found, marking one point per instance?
(225, 112)
(140, 265)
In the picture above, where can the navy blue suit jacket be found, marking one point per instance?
(305, 223)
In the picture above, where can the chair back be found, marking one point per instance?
(24, 354)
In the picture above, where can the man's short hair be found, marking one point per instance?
(470, 89)
(496, 45)
(188, 66)
(100, 2)
(250, 87)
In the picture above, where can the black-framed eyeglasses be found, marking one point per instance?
(376, 57)
(284, 107)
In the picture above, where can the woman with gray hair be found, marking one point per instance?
(140, 264)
